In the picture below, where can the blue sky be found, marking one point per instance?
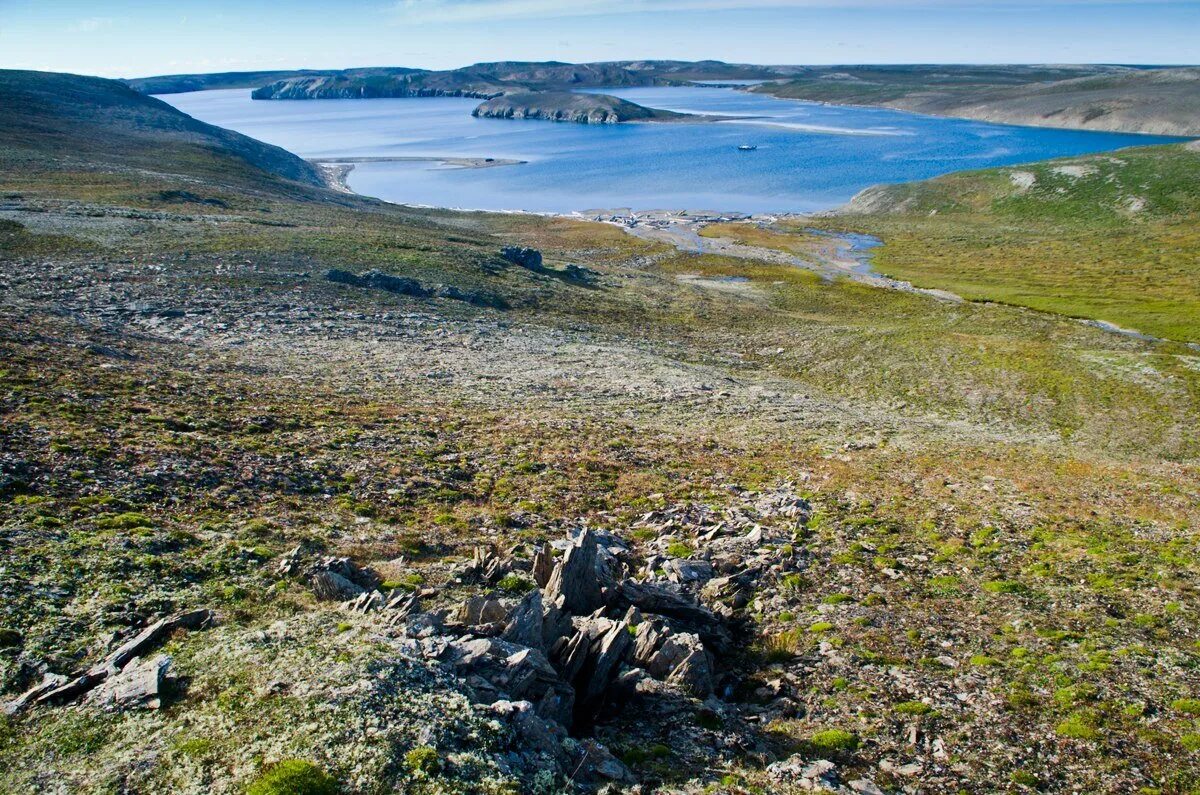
(127, 38)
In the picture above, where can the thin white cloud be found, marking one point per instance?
(90, 25)
(463, 11)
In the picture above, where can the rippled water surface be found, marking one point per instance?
(809, 156)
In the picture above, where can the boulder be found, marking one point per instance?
(364, 578)
(138, 686)
(401, 603)
(589, 660)
(575, 578)
(365, 602)
(154, 634)
(535, 734)
(50, 682)
(481, 610)
(687, 572)
(556, 623)
(329, 586)
(487, 566)
(818, 775)
(291, 563)
(60, 690)
(525, 623)
(650, 636)
(694, 673)
(422, 625)
(606, 653)
(672, 651)
(668, 600)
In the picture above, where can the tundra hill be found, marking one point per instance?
(379, 86)
(65, 123)
(483, 80)
(542, 75)
(178, 84)
(1160, 101)
(492, 79)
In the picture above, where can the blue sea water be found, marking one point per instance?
(809, 156)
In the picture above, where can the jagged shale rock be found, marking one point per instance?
(141, 684)
(575, 577)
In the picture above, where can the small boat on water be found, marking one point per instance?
(747, 148)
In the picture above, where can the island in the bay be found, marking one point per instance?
(572, 107)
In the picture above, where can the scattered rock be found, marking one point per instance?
(60, 690)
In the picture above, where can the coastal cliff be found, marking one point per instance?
(570, 107)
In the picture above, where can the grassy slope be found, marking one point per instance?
(1111, 237)
(1067, 569)
(871, 85)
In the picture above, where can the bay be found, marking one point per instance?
(809, 156)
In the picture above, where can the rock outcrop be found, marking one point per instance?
(402, 285)
(568, 639)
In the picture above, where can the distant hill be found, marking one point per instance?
(179, 84)
(60, 121)
(478, 79)
(487, 80)
(1163, 102)
(1113, 98)
(381, 86)
(571, 107)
